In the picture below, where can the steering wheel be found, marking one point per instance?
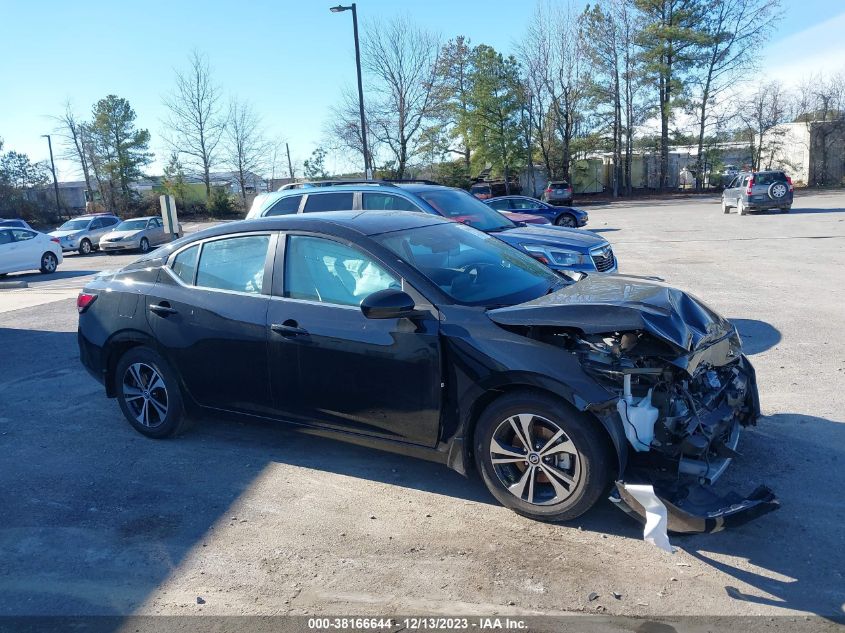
(475, 271)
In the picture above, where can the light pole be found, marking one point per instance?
(340, 9)
(53, 169)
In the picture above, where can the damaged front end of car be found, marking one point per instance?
(682, 391)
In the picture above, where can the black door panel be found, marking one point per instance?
(218, 342)
(344, 371)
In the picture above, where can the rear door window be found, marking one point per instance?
(335, 201)
(235, 263)
(387, 202)
(523, 204)
(499, 205)
(285, 206)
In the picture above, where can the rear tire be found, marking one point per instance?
(49, 263)
(149, 393)
(558, 479)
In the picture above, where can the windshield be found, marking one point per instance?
(131, 225)
(470, 267)
(74, 225)
(463, 207)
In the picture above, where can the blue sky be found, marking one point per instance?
(290, 59)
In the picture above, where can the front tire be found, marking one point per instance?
(567, 220)
(85, 247)
(725, 207)
(540, 457)
(49, 263)
(740, 208)
(149, 394)
(144, 245)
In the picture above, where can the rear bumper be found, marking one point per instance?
(91, 357)
(698, 509)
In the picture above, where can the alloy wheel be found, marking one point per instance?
(145, 394)
(48, 262)
(144, 245)
(566, 220)
(85, 247)
(535, 459)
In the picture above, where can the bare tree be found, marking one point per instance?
(821, 106)
(246, 147)
(401, 61)
(733, 31)
(567, 87)
(535, 56)
(343, 130)
(72, 130)
(762, 113)
(196, 121)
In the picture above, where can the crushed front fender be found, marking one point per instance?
(693, 509)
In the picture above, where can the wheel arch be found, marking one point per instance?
(114, 349)
(463, 461)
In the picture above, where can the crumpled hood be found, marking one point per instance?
(61, 234)
(611, 303)
(552, 235)
(121, 234)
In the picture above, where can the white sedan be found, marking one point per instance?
(25, 249)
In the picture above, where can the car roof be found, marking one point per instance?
(361, 222)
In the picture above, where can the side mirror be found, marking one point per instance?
(390, 303)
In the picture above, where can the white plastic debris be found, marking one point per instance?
(656, 521)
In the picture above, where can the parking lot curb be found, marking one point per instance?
(10, 285)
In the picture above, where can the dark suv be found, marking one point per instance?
(757, 191)
(559, 248)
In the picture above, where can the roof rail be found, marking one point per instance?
(416, 181)
(331, 183)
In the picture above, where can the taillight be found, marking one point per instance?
(549, 190)
(789, 182)
(750, 185)
(55, 239)
(84, 301)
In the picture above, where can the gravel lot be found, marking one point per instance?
(255, 519)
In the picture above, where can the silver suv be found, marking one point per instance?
(756, 191)
(83, 233)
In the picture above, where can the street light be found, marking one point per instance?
(53, 169)
(340, 9)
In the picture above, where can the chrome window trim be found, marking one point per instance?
(266, 282)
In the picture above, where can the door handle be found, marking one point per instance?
(163, 308)
(289, 328)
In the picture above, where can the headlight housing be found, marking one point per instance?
(555, 256)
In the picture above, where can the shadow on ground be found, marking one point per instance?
(757, 336)
(96, 517)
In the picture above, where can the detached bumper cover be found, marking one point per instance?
(697, 509)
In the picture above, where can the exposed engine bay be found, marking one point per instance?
(680, 388)
(689, 421)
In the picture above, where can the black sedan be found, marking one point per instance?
(414, 334)
(562, 216)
